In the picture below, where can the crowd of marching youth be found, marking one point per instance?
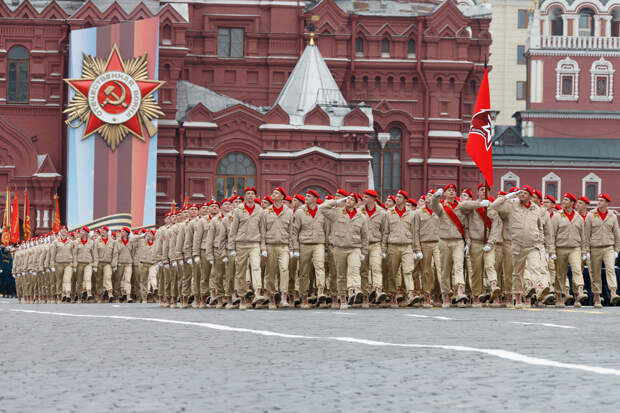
(441, 249)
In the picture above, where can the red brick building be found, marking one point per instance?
(567, 138)
(393, 88)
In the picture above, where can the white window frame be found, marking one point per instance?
(602, 68)
(551, 177)
(565, 67)
(510, 176)
(591, 178)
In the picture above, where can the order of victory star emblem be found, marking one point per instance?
(114, 98)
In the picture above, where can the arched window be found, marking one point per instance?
(359, 47)
(385, 48)
(18, 70)
(166, 35)
(385, 149)
(601, 81)
(234, 172)
(586, 22)
(615, 22)
(567, 80)
(556, 21)
(411, 48)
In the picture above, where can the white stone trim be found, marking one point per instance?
(588, 179)
(167, 152)
(552, 177)
(284, 126)
(301, 4)
(318, 149)
(536, 82)
(199, 152)
(444, 161)
(602, 68)
(444, 134)
(200, 125)
(46, 174)
(167, 122)
(565, 67)
(415, 161)
(510, 176)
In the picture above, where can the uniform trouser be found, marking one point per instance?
(331, 278)
(311, 255)
(598, 256)
(293, 277)
(67, 278)
(18, 286)
(399, 256)
(135, 280)
(125, 271)
(248, 256)
(552, 271)
(97, 280)
(526, 259)
(430, 251)
(229, 276)
(348, 261)
(143, 277)
(452, 254)
(568, 256)
(481, 262)
(371, 272)
(117, 280)
(503, 265)
(84, 277)
(106, 274)
(277, 264)
(216, 277)
(186, 271)
(203, 282)
(542, 276)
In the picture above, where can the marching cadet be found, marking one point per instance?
(371, 270)
(350, 231)
(213, 283)
(62, 264)
(308, 243)
(602, 240)
(570, 249)
(217, 257)
(84, 258)
(549, 208)
(526, 231)
(428, 233)
(202, 267)
(275, 228)
(191, 254)
(105, 249)
(173, 256)
(162, 238)
(123, 261)
(293, 285)
(244, 246)
(401, 247)
(184, 271)
(452, 237)
(147, 269)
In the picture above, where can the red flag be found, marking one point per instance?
(173, 206)
(27, 230)
(15, 221)
(56, 223)
(6, 224)
(479, 142)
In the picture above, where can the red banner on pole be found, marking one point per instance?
(27, 229)
(15, 221)
(480, 140)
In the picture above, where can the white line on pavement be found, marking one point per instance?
(503, 354)
(542, 324)
(436, 317)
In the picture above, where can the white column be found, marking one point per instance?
(597, 25)
(46, 219)
(565, 25)
(546, 26)
(38, 218)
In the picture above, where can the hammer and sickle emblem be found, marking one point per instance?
(112, 98)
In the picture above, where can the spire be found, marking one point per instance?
(310, 83)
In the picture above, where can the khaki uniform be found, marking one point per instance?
(105, 250)
(221, 280)
(145, 259)
(308, 237)
(161, 257)
(570, 247)
(61, 258)
(276, 240)
(482, 262)
(399, 242)
(602, 239)
(201, 273)
(371, 270)
(124, 260)
(84, 257)
(350, 242)
(244, 238)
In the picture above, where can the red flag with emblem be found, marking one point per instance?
(479, 142)
(27, 230)
(6, 223)
(56, 224)
(15, 221)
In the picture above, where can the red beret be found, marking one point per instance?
(480, 185)
(550, 198)
(342, 192)
(468, 192)
(557, 207)
(144, 230)
(192, 206)
(445, 188)
(313, 193)
(268, 199)
(490, 198)
(328, 197)
(319, 201)
(105, 227)
(514, 189)
(226, 200)
(538, 193)
(392, 197)
(423, 197)
(98, 231)
(501, 193)
(412, 201)
(113, 233)
(282, 191)
(152, 231)
(72, 234)
(570, 196)
(258, 200)
(372, 193)
(126, 229)
(584, 199)
(85, 229)
(250, 188)
(300, 198)
(403, 193)
(528, 189)
(605, 196)
(288, 198)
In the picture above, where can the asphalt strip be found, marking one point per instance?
(503, 354)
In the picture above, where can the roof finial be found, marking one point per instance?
(311, 29)
(311, 43)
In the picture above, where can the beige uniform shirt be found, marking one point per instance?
(245, 226)
(307, 229)
(568, 233)
(276, 228)
(428, 230)
(602, 233)
(401, 229)
(349, 232)
(526, 223)
(375, 223)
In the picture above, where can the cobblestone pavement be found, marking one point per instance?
(141, 358)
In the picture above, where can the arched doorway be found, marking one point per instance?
(234, 172)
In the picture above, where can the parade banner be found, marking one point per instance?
(112, 124)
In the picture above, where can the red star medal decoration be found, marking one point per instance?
(114, 98)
